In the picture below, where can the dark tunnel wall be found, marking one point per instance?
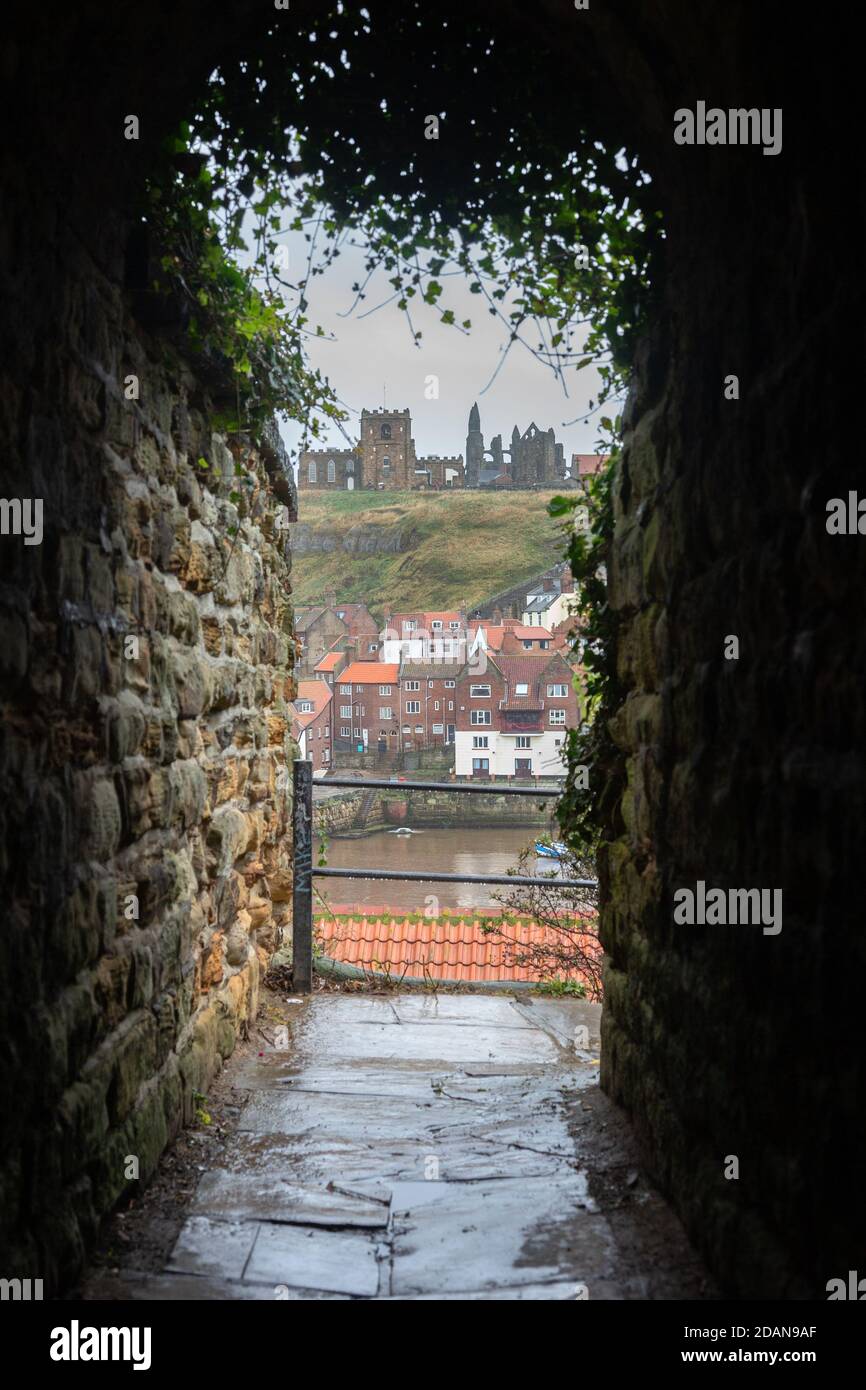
(746, 773)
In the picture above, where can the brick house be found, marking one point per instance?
(317, 631)
(367, 707)
(512, 721)
(363, 629)
(425, 636)
(428, 703)
(312, 724)
(330, 666)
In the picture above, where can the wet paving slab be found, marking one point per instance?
(419, 1147)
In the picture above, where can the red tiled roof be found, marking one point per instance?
(589, 463)
(329, 661)
(528, 667)
(370, 673)
(317, 691)
(444, 948)
(494, 634)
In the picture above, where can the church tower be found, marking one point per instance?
(474, 448)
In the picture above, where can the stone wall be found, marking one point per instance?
(723, 1041)
(361, 813)
(145, 655)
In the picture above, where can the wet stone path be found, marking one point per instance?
(426, 1147)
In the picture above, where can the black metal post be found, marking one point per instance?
(302, 896)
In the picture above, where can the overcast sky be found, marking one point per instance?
(373, 361)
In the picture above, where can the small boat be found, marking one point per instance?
(554, 851)
(404, 830)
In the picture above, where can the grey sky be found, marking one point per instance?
(374, 353)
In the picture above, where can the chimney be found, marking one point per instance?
(497, 617)
(331, 598)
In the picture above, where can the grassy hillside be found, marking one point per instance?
(456, 548)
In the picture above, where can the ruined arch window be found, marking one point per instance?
(332, 470)
(386, 431)
(311, 473)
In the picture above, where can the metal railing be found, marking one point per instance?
(304, 872)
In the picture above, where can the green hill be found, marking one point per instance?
(420, 550)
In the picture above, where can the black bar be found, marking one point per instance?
(302, 891)
(457, 878)
(492, 788)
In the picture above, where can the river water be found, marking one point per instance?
(474, 851)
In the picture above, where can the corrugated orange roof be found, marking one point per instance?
(370, 673)
(446, 948)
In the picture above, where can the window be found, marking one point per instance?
(311, 473)
(528, 646)
(384, 690)
(385, 712)
(523, 741)
(385, 432)
(409, 624)
(386, 465)
(350, 465)
(345, 690)
(557, 692)
(435, 704)
(479, 692)
(521, 688)
(438, 728)
(332, 470)
(449, 685)
(419, 728)
(326, 755)
(522, 764)
(480, 716)
(480, 764)
(345, 711)
(455, 627)
(480, 741)
(544, 644)
(429, 685)
(406, 729)
(557, 716)
(436, 624)
(344, 732)
(411, 685)
(304, 706)
(413, 706)
(450, 704)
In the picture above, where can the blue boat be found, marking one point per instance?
(555, 851)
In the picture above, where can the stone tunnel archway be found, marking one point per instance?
(746, 771)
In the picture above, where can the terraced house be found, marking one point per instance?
(512, 720)
(428, 701)
(367, 708)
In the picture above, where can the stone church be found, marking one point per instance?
(384, 458)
